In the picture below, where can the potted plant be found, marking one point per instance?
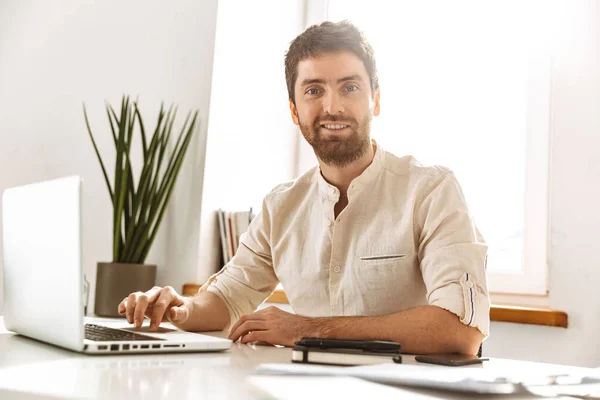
(138, 202)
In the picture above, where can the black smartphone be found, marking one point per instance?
(451, 360)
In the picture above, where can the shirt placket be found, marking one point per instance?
(336, 257)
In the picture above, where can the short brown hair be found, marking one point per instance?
(325, 38)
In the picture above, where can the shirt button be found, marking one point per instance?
(337, 268)
(470, 284)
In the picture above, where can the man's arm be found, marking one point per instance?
(420, 330)
(207, 313)
(202, 312)
(238, 288)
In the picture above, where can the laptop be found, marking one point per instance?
(44, 282)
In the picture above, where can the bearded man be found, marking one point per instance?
(367, 245)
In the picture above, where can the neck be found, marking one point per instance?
(341, 177)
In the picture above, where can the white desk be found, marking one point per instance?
(33, 370)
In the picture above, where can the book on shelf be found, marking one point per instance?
(232, 225)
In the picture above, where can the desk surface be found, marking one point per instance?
(34, 370)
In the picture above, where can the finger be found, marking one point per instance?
(130, 303)
(248, 326)
(143, 301)
(259, 336)
(179, 315)
(240, 321)
(163, 301)
(149, 311)
(122, 308)
(130, 306)
(247, 317)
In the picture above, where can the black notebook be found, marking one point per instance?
(345, 352)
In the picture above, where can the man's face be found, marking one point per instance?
(334, 106)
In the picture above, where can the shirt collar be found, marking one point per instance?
(358, 183)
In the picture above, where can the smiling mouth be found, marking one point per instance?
(335, 127)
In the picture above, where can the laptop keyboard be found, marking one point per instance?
(104, 334)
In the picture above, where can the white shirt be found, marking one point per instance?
(405, 239)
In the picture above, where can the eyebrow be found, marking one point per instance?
(306, 82)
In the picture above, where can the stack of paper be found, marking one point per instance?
(458, 379)
(463, 380)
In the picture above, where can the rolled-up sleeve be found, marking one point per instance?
(452, 253)
(248, 279)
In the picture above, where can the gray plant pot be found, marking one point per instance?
(115, 281)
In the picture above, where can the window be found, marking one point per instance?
(466, 84)
(249, 115)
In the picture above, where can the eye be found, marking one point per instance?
(351, 88)
(312, 91)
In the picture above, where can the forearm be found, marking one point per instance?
(207, 313)
(420, 330)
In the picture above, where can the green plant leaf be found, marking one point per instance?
(120, 180)
(155, 171)
(169, 181)
(169, 167)
(140, 209)
(164, 204)
(155, 194)
(142, 130)
(89, 129)
(112, 127)
(130, 197)
(130, 191)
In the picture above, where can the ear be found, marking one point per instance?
(376, 104)
(294, 112)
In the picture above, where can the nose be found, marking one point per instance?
(333, 104)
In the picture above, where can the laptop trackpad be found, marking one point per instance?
(145, 329)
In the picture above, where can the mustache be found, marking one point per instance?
(334, 118)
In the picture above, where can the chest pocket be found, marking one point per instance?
(381, 259)
(385, 271)
(383, 282)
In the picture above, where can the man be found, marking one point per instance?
(367, 245)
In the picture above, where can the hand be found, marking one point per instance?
(158, 304)
(271, 325)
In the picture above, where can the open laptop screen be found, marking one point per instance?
(43, 283)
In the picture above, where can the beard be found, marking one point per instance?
(334, 150)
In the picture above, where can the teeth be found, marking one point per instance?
(334, 126)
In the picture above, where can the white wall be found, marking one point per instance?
(251, 136)
(575, 202)
(55, 55)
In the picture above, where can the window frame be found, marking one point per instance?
(533, 280)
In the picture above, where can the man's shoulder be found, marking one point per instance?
(294, 187)
(411, 168)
